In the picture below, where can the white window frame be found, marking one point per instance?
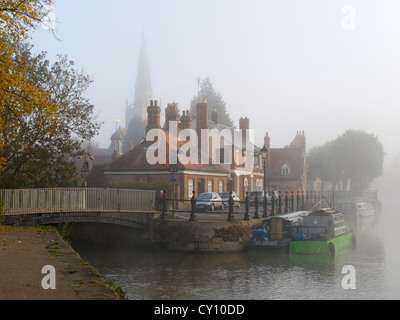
(190, 188)
(221, 186)
(209, 186)
(285, 170)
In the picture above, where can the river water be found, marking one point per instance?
(146, 274)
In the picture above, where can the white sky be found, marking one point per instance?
(288, 65)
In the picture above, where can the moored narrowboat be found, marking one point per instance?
(360, 213)
(276, 231)
(324, 232)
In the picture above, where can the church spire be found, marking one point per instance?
(143, 95)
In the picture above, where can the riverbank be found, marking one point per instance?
(204, 236)
(23, 254)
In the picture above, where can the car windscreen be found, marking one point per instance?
(206, 196)
(225, 195)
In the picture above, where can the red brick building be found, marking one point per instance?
(135, 165)
(286, 167)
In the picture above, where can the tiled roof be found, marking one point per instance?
(135, 160)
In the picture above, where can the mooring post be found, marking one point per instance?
(164, 205)
(231, 216)
(265, 204)
(246, 202)
(193, 216)
(292, 202)
(273, 199)
(280, 203)
(286, 202)
(256, 215)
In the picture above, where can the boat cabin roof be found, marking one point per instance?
(292, 215)
(324, 212)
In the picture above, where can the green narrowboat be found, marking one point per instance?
(323, 232)
(275, 232)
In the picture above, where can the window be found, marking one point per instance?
(256, 160)
(246, 185)
(190, 188)
(221, 186)
(209, 186)
(285, 171)
(259, 185)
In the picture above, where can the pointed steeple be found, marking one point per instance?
(143, 95)
(143, 91)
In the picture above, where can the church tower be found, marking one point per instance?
(136, 114)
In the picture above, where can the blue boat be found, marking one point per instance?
(275, 233)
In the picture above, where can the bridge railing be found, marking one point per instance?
(26, 201)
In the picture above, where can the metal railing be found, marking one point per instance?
(27, 201)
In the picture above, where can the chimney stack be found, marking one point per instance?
(299, 141)
(267, 143)
(201, 116)
(186, 121)
(153, 112)
(215, 116)
(201, 121)
(244, 124)
(171, 114)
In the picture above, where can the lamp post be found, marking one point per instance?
(264, 153)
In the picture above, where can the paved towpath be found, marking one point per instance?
(23, 254)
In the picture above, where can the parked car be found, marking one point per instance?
(225, 197)
(209, 201)
(272, 195)
(259, 195)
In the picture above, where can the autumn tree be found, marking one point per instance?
(214, 100)
(19, 96)
(39, 151)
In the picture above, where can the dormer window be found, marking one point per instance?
(285, 170)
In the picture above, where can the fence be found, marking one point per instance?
(266, 206)
(26, 201)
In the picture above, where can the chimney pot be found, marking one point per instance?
(244, 123)
(215, 115)
(201, 118)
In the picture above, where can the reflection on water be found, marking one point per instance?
(148, 274)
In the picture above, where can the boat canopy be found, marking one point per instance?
(292, 216)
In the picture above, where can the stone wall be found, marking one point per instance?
(202, 236)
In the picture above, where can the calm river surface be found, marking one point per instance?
(156, 275)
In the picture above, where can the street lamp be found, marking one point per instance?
(264, 153)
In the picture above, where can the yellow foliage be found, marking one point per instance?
(19, 97)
